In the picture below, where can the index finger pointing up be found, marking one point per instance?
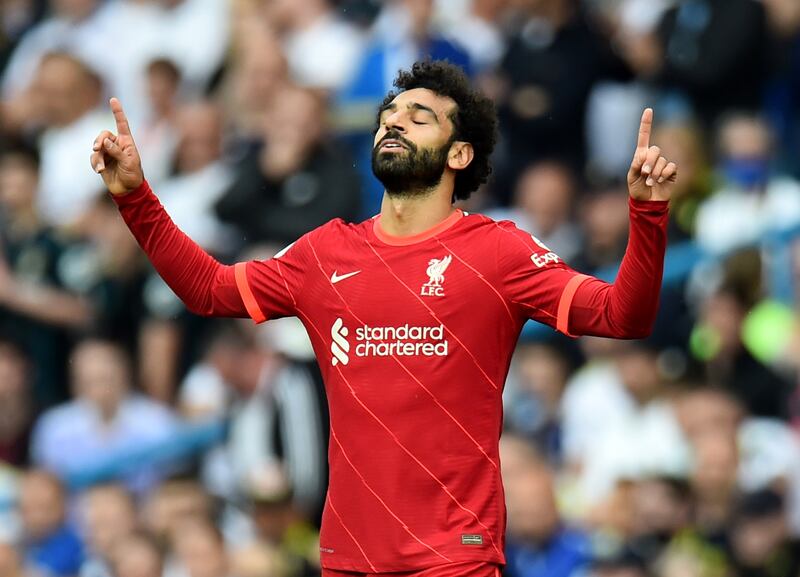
(644, 128)
(119, 117)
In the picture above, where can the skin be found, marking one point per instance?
(420, 116)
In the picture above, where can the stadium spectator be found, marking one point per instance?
(253, 79)
(279, 416)
(322, 50)
(479, 30)
(760, 539)
(693, 55)
(539, 544)
(108, 515)
(72, 26)
(199, 550)
(70, 93)
(172, 503)
(164, 30)
(533, 397)
(298, 179)
(543, 205)
(553, 60)
(36, 306)
(158, 130)
(104, 418)
(137, 555)
(684, 141)
(16, 406)
(728, 362)
(644, 436)
(280, 525)
(605, 231)
(11, 562)
(201, 176)
(752, 200)
(662, 514)
(50, 543)
(714, 482)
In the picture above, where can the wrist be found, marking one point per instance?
(132, 195)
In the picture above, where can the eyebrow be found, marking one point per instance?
(413, 105)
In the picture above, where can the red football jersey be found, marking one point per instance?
(414, 337)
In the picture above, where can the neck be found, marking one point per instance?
(412, 214)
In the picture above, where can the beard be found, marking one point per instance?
(412, 172)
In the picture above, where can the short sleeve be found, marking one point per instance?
(534, 278)
(269, 288)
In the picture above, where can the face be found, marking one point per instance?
(70, 91)
(18, 182)
(200, 129)
(41, 505)
(135, 557)
(108, 516)
(200, 550)
(100, 376)
(415, 143)
(532, 512)
(545, 193)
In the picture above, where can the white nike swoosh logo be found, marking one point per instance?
(336, 278)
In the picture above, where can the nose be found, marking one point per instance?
(394, 121)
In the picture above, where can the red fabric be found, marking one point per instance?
(414, 343)
(627, 309)
(450, 570)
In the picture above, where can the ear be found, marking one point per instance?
(460, 155)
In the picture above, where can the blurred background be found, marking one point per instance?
(138, 440)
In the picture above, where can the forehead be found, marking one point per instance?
(443, 106)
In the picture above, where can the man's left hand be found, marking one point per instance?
(651, 176)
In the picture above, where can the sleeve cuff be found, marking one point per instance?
(133, 196)
(648, 206)
(564, 305)
(249, 300)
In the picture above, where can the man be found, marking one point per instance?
(413, 316)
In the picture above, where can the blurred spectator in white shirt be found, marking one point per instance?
(477, 29)
(202, 177)
(169, 29)
(753, 200)
(322, 50)
(156, 138)
(72, 27)
(71, 98)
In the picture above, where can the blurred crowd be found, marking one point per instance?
(676, 456)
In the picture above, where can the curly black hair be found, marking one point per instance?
(474, 118)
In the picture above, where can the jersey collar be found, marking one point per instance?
(415, 238)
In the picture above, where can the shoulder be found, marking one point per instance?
(339, 229)
(60, 418)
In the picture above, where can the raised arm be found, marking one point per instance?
(206, 287)
(627, 309)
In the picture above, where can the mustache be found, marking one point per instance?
(394, 135)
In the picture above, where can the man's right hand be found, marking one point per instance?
(115, 157)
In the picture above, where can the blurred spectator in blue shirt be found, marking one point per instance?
(50, 544)
(539, 543)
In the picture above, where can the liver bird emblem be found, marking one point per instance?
(436, 268)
